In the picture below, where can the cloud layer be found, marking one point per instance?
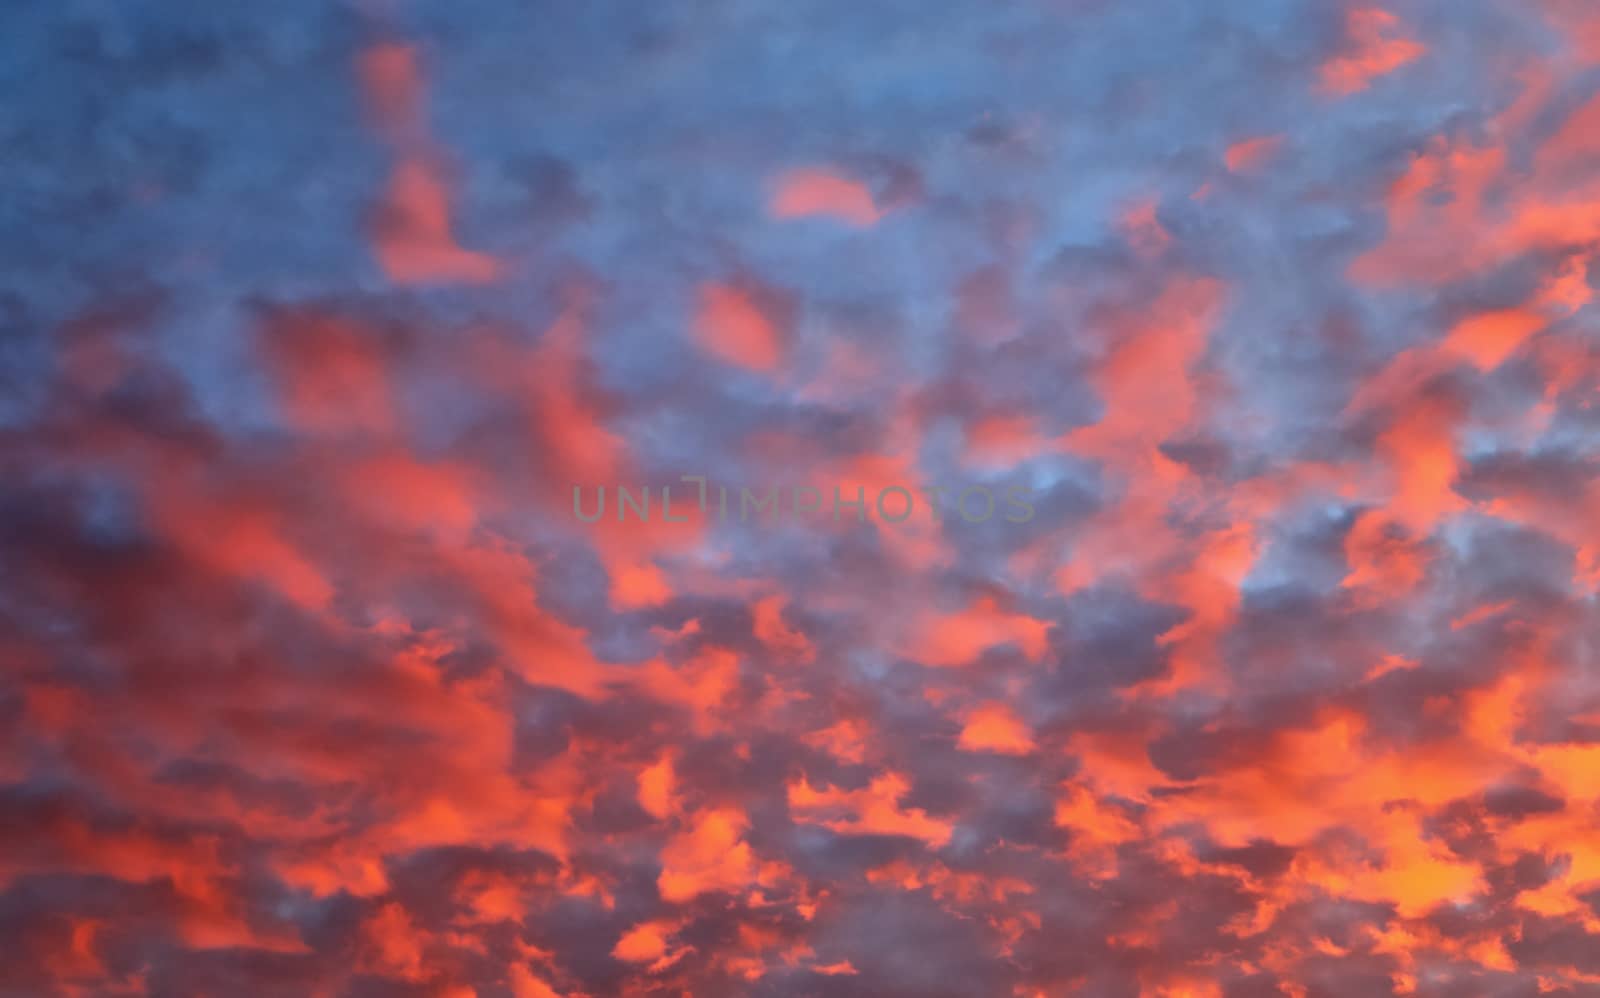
(1278, 312)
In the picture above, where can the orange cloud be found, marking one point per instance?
(412, 229)
(645, 942)
(818, 192)
(391, 81)
(874, 809)
(710, 856)
(656, 785)
(1003, 441)
(413, 234)
(1375, 49)
(994, 727)
(1486, 340)
(332, 373)
(960, 638)
(776, 634)
(734, 328)
(1251, 154)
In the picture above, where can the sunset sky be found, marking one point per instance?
(1278, 313)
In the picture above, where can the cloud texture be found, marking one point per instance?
(313, 315)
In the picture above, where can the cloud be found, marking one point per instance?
(1280, 314)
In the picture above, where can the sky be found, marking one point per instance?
(1266, 327)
